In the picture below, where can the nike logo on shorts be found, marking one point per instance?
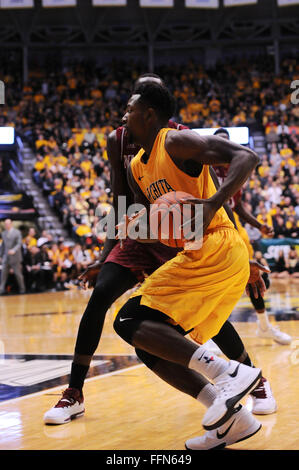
(124, 319)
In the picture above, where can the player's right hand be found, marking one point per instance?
(89, 277)
(255, 278)
(266, 230)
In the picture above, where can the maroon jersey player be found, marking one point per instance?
(235, 202)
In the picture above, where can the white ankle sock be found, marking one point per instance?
(207, 363)
(263, 320)
(207, 395)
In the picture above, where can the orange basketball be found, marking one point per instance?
(167, 215)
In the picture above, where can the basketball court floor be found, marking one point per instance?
(127, 406)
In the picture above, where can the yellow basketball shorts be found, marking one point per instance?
(199, 289)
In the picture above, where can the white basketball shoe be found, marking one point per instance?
(231, 386)
(239, 427)
(273, 332)
(264, 402)
(70, 406)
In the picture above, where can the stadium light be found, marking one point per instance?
(239, 135)
(7, 135)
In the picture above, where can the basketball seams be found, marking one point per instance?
(170, 205)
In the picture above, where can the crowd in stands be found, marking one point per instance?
(48, 264)
(67, 116)
(54, 265)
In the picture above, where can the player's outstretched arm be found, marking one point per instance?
(128, 223)
(119, 186)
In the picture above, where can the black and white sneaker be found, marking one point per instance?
(231, 387)
(239, 427)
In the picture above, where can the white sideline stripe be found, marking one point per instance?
(91, 379)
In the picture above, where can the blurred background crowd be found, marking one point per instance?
(67, 116)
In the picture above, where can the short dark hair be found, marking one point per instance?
(221, 130)
(148, 76)
(157, 97)
(153, 75)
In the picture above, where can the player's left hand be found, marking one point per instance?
(127, 224)
(89, 276)
(255, 279)
(266, 230)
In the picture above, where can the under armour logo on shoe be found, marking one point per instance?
(208, 359)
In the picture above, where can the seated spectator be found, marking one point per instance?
(258, 256)
(82, 232)
(292, 227)
(280, 268)
(33, 271)
(45, 238)
(287, 207)
(282, 131)
(274, 192)
(89, 136)
(265, 218)
(62, 265)
(279, 226)
(288, 162)
(82, 257)
(75, 219)
(41, 143)
(254, 235)
(30, 239)
(275, 160)
(55, 258)
(271, 133)
(275, 211)
(264, 169)
(46, 268)
(293, 263)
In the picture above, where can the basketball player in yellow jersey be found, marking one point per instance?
(196, 291)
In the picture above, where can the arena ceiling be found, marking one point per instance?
(87, 26)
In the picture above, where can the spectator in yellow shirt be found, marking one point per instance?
(31, 239)
(264, 217)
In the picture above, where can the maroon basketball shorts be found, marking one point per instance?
(141, 258)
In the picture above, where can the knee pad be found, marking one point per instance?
(266, 280)
(132, 314)
(259, 303)
(125, 328)
(148, 359)
(126, 322)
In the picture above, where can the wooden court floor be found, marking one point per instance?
(127, 406)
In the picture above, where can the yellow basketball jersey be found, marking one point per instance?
(160, 175)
